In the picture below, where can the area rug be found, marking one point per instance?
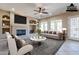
(47, 47)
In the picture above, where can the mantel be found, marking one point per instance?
(19, 25)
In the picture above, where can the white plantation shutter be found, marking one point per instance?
(52, 25)
(43, 26)
(56, 25)
(74, 28)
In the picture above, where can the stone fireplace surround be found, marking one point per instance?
(20, 27)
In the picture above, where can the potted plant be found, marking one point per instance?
(39, 32)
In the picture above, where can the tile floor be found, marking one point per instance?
(3, 47)
(69, 47)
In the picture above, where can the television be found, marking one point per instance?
(19, 19)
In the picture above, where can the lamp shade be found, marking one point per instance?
(64, 29)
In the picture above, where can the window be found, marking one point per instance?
(74, 27)
(43, 26)
(56, 25)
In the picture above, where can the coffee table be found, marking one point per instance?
(38, 40)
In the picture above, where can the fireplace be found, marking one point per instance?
(20, 32)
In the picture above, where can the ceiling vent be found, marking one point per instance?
(72, 8)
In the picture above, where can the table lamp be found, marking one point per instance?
(64, 33)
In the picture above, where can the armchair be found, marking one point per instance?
(13, 48)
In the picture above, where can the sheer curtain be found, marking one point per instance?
(74, 28)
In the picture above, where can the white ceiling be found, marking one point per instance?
(27, 9)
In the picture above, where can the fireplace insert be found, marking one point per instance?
(20, 32)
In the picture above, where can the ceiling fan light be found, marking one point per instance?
(40, 13)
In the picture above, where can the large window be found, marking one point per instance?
(74, 27)
(43, 26)
(56, 25)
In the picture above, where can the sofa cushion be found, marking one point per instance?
(45, 31)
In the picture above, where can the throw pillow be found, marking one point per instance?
(50, 32)
(54, 32)
(20, 43)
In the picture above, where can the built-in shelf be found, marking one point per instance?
(32, 24)
(5, 30)
(6, 20)
(5, 24)
(6, 27)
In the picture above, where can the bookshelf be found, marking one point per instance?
(32, 25)
(5, 24)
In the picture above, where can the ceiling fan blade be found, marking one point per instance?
(43, 9)
(36, 10)
(45, 12)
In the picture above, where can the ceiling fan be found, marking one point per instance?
(41, 10)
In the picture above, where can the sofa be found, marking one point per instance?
(53, 34)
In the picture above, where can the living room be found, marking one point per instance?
(43, 28)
